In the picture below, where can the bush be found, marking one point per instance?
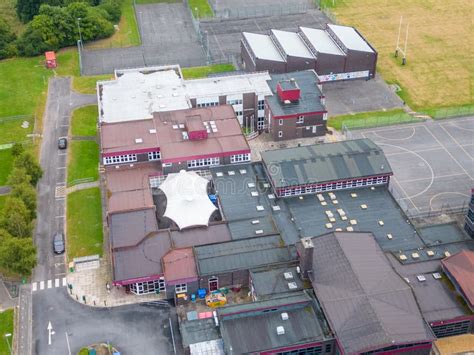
(15, 218)
(112, 7)
(18, 255)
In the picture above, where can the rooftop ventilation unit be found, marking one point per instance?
(185, 135)
(292, 285)
(138, 140)
(389, 236)
(436, 275)
(298, 270)
(287, 102)
(256, 221)
(402, 257)
(430, 253)
(280, 330)
(284, 316)
(259, 231)
(421, 278)
(415, 256)
(260, 208)
(447, 253)
(288, 275)
(175, 126)
(181, 126)
(152, 130)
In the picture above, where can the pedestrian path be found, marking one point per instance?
(42, 285)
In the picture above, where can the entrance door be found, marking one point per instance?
(213, 284)
(314, 129)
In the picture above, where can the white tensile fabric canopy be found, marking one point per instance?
(188, 203)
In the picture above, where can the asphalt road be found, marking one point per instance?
(133, 329)
(61, 102)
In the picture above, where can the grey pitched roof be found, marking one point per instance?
(310, 99)
(257, 322)
(366, 303)
(325, 162)
(129, 228)
(197, 331)
(241, 254)
(271, 281)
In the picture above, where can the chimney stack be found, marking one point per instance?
(305, 252)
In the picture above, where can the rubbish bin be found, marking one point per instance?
(71, 266)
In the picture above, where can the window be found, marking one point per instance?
(239, 158)
(208, 104)
(238, 113)
(203, 162)
(143, 288)
(234, 102)
(280, 134)
(300, 119)
(261, 104)
(120, 159)
(153, 156)
(280, 122)
(260, 123)
(181, 288)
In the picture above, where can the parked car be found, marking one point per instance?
(62, 143)
(58, 243)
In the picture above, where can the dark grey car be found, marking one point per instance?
(58, 243)
(62, 143)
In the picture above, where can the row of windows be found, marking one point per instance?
(239, 158)
(181, 288)
(120, 159)
(203, 162)
(208, 104)
(143, 288)
(261, 104)
(238, 113)
(299, 119)
(445, 330)
(154, 156)
(234, 102)
(299, 190)
(315, 350)
(393, 347)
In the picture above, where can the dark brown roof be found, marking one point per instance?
(179, 265)
(130, 228)
(130, 201)
(461, 267)
(216, 233)
(128, 179)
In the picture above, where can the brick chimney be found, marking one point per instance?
(305, 252)
(288, 90)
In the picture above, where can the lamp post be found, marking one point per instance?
(8, 335)
(79, 28)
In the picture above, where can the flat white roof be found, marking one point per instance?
(292, 44)
(351, 38)
(263, 47)
(136, 93)
(229, 85)
(321, 41)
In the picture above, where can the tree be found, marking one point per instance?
(27, 161)
(7, 37)
(27, 9)
(15, 218)
(18, 255)
(31, 43)
(27, 194)
(17, 149)
(18, 176)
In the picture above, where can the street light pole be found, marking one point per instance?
(79, 27)
(8, 335)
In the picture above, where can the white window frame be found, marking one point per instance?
(260, 123)
(181, 288)
(280, 134)
(300, 119)
(280, 122)
(203, 162)
(152, 156)
(261, 105)
(120, 159)
(151, 287)
(240, 158)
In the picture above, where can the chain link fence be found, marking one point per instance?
(374, 121)
(451, 112)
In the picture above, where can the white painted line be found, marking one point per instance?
(62, 153)
(59, 217)
(60, 168)
(41, 285)
(56, 283)
(64, 281)
(50, 283)
(60, 198)
(35, 286)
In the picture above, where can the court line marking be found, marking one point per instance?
(382, 129)
(447, 192)
(397, 139)
(435, 177)
(405, 193)
(455, 141)
(416, 151)
(452, 157)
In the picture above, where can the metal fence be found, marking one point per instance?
(377, 121)
(276, 8)
(451, 112)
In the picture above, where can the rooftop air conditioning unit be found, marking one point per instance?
(138, 140)
(152, 130)
(421, 278)
(288, 275)
(284, 316)
(437, 275)
(292, 285)
(280, 330)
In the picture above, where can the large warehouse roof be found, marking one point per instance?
(321, 41)
(368, 305)
(350, 38)
(325, 162)
(263, 47)
(292, 44)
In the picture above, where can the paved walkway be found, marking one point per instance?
(5, 190)
(84, 186)
(92, 285)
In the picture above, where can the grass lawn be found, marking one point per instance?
(200, 8)
(3, 198)
(83, 162)
(84, 223)
(87, 84)
(439, 70)
(203, 72)
(84, 121)
(6, 162)
(127, 34)
(6, 327)
(144, 2)
(370, 119)
(11, 130)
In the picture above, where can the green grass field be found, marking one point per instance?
(84, 223)
(83, 162)
(6, 162)
(87, 84)
(371, 119)
(127, 34)
(84, 121)
(144, 2)
(11, 130)
(2, 201)
(203, 72)
(6, 327)
(200, 8)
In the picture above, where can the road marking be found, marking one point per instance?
(41, 285)
(60, 192)
(61, 167)
(35, 286)
(64, 281)
(62, 153)
(50, 283)
(59, 217)
(56, 283)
